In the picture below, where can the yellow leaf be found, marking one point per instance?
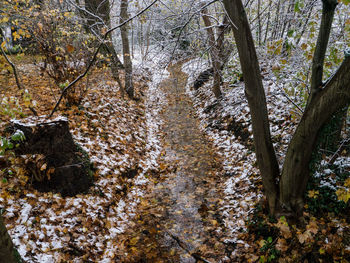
(347, 182)
(214, 222)
(343, 195)
(313, 193)
(322, 251)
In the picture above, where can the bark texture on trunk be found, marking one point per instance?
(255, 94)
(101, 8)
(129, 87)
(214, 53)
(6, 245)
(334, 97)
(321, 46)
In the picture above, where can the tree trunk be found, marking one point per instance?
(129, 87)
(268, 21)
(255, 94)
(6, 245)
(321, 46)
(334, 97)
(59, 165)
(214, 54)
(101, 8)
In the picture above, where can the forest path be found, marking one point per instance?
(178, 220)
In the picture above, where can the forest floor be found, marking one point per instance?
(176, 177)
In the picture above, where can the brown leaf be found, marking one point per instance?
(70, 48)
(282, 245)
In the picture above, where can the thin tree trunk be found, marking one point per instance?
(277, 16)
(321, 47)
(268, 21)
(287, 18)
(141, 39)
(148, 35)
(223, 53)
(214, 53)
(306, 22)
(259, 23)
(129, 87)
(255, 94)
(6, 245)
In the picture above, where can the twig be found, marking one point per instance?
(95, 56)
(337, 153)
(293, 102)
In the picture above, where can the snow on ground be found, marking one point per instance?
(118, 135)
(219, 120)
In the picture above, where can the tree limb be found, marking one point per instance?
(321, 46)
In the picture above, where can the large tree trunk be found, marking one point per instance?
(255, 94)
(6, 245)
(129, 86)
(334, 97)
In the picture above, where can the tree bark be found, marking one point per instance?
(6, 245)
(255, 94)
(334, 97)
(129, 87)
(321, 46)
(214, 53)
(101, 8)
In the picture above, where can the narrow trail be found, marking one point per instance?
(178, 220)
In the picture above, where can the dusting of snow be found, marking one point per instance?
(238, 160)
